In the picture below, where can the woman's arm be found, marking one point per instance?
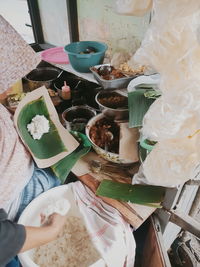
(37, 236)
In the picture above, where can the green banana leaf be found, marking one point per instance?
(50, 143)
(62, 168)
(138, 105)
(147, 195)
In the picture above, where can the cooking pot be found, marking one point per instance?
(42, 76)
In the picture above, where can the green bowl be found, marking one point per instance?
(82, 62)
(145, 148)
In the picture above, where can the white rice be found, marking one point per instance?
(73, 248)
(38, 126)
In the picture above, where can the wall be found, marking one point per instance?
(54, 21)
(98, 21)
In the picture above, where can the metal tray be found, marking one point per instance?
(111, 84)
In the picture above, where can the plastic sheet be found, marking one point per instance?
(172, 47)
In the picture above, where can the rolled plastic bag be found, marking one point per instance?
(172, 37)
(170, 163)
(165, 121)
(133, 7)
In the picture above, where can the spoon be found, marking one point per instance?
(109, 138)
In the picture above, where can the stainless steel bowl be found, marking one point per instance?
(117, 114)
(111, 84)
(107, 155)
(76, 117)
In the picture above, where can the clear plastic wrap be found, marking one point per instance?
(172, 47)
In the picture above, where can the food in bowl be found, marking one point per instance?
(113, 104)
(108, 72)
(76, 117)
(113, 100)
(105, 134)
(105, 141)
(125, 67)
(14, 99)
(73, 247)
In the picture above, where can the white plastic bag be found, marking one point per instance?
(172, 47)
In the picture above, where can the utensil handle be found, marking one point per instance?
(186, 222)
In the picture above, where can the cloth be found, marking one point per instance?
(41, 181)
(16, 164)
(13, 263)
(12, 237)
(17, 57)
(111, 235)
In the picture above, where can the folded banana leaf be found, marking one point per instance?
(140, 194)
(43, 148)
(54, 145)
(62, 168)
(138, 105)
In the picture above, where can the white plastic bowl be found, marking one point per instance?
(31, 216)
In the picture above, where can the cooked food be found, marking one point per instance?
(126, 68)
(14, 99)
(52, 92)
(113, 100)
(89, 50)
(105, 134)
(38, 126)
(109, 72)
(72, 248)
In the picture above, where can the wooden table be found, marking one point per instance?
(133, 213)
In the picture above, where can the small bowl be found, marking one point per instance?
(113, 105)
(110, 156)
(76, 117)
(80, 59)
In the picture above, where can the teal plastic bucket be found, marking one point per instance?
(82, 62)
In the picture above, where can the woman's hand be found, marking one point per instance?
(55, 222)
(37, 236)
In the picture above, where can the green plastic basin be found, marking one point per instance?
(82, 62)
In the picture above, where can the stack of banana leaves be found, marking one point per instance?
(139, 102)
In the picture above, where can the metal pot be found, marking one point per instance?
(42, 76)
(117, 112)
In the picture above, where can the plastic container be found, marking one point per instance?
(31, 215)
(145, 149)
(81, 61)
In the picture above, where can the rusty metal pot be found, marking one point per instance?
(42, 76)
